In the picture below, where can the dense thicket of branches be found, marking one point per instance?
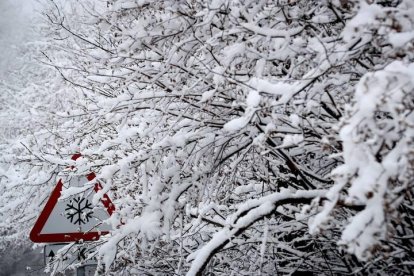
(226, 130)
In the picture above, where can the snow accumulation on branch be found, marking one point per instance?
(377, 156)
(234, 137)
(247, 214)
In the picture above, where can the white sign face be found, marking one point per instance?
(77, 212)
(63, 255)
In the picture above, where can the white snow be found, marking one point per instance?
(253, 99)
(236, 124)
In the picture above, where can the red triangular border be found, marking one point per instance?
(35, 234)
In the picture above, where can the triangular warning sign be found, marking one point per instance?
(75, 218)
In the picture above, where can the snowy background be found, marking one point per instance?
(16, 19)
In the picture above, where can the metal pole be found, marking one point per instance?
(80, 271)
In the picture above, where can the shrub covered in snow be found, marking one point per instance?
(226, 130)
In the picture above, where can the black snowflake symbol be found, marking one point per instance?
(77, 210)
